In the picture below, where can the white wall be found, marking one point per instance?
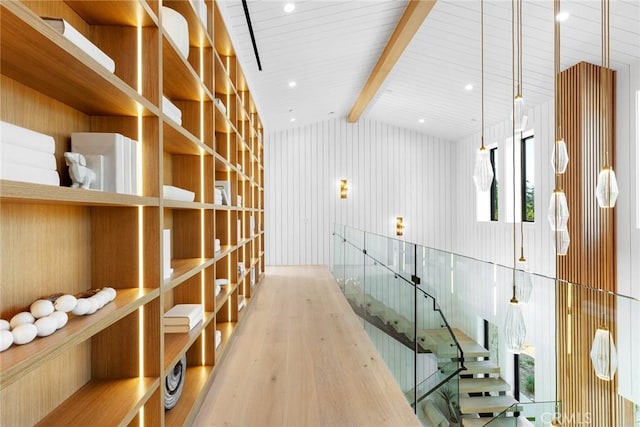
(390, 171)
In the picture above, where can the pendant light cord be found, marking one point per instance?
(482, 72)
(522, 202)
(513, 145)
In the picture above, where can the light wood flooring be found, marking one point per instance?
(302, 358)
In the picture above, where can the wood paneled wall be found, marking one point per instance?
(585, 90)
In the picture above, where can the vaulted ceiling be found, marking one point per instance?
(330, 47)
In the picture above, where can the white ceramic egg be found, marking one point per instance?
(65, 303)
(106, 296)
(21, 318)
(4, 325)
(99, 301)
(93, 305)
(111, 292)
(25, 333)
(82, 307)
(41, 308)
(46, 326)
(60, 317)
(6, 339)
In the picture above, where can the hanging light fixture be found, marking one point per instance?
(515, 330)
(483, 171)
(558, 213)
(607, 185)
(603, 354)
(519, 119)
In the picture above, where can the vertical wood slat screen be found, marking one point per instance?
(591, 257)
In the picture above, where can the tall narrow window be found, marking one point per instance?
(527, 175)
(494, 185)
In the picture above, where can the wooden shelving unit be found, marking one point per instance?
(61, 239)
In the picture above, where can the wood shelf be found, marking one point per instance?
(115, 12)
(72, 77)
(178, 140)
(13, 191)
(100, 402)
(197, 381)
(175, 344)
(184, 268)
(18, 360)
(227, 329)
(223, 296)
(177, 204)
(179, 80)
(198, 36)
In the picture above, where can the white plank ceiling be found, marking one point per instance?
(330, 47)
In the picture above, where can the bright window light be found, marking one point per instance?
(292, 84)
(289, 7)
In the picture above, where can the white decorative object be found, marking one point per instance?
(75, 37)
(110, 292)
(111, 146)
(4, 325)
(225, 187)
(177, 28)
(170, 110)
(218, 338)
(93, 305)
(222, 282)
(483, 171)
(46, 326)
(65, 303)
(166, 253)
(607, 188)
(240, 270)
(81, 175)
(41, 308)
(24, 334)
(174, 383)
(6, 339)
(21, 318)
(60, 317)
(176, 193)
(99, 301)
(82, 307)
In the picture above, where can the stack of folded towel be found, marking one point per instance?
(224, 189)
(182, 317)
(27, 156)
(177, 193)
(217, 198)
(216, 246)
(170, 110)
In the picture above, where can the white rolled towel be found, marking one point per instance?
(17, 155)
(171, 111)
(26, 138)
(28, 174)
(176, 193)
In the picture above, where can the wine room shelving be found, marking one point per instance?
(62, 239)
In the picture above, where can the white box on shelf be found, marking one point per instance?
(112, 147)
(240, 270)
(184, 314)
(239, 231)
(170, 110)
(252, 225)
(166, 253)
(239, 200)
(176, 193)
(225, 188)
(252, 275)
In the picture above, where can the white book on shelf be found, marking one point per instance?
(135, 171)
(225, 189)
(22, 173)
(76, 37)
(170, 110)
(166, 253)
(112, 147)
(177, 193)
(17, 155)
(239, 231)
(127, 165)
(184, 314)
(222, 282)
(26, 138)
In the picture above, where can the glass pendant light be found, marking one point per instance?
(514, 327)
(561, 241)
(483, 171)
(607, 188)
(524, 284)
(519, 119)
(604, 355)
(560, 157)
(558, 211)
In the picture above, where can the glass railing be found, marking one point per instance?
(403, 321)
(555, 328)
(530, 414)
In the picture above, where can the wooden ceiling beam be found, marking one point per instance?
(411, 20)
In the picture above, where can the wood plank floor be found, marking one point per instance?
(301, 358)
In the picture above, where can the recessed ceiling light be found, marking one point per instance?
(468, 87)
(293, 119)
(420, 120)
(292, 84)
(289, 7)
(562, 16)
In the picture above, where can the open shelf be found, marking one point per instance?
(72, 77)
(178, 140)
(18, 360)
(176, 344)
(184, 268)
(114, 12)
(103, 402)
(197, 379)
(227, 329)
(197, 35)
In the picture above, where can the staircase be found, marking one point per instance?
(483, 394)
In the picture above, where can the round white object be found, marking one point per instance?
(177, 28)
(112, 293)
(21, 318)
(6, 339)
(106, 296)
(82, 307)
(60, 317)
(25, 333)
(99, 300)
(41, 308)
(93, 305)
(65, 303)
(4, 325)
(46, 326)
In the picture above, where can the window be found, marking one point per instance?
(494, 184)
(527, 174)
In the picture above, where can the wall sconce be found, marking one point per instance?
(343, 189)
(399, 226)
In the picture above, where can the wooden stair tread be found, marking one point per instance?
(498, 422)
(439, 341)
(480, 367)
(485, 404)
(478, 385)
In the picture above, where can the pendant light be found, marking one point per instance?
(603, 354)
(515, 330)
(558, 213)
(519, 119)
(607, 185)
(483, 171)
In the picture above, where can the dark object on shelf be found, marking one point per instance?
(174, 383)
